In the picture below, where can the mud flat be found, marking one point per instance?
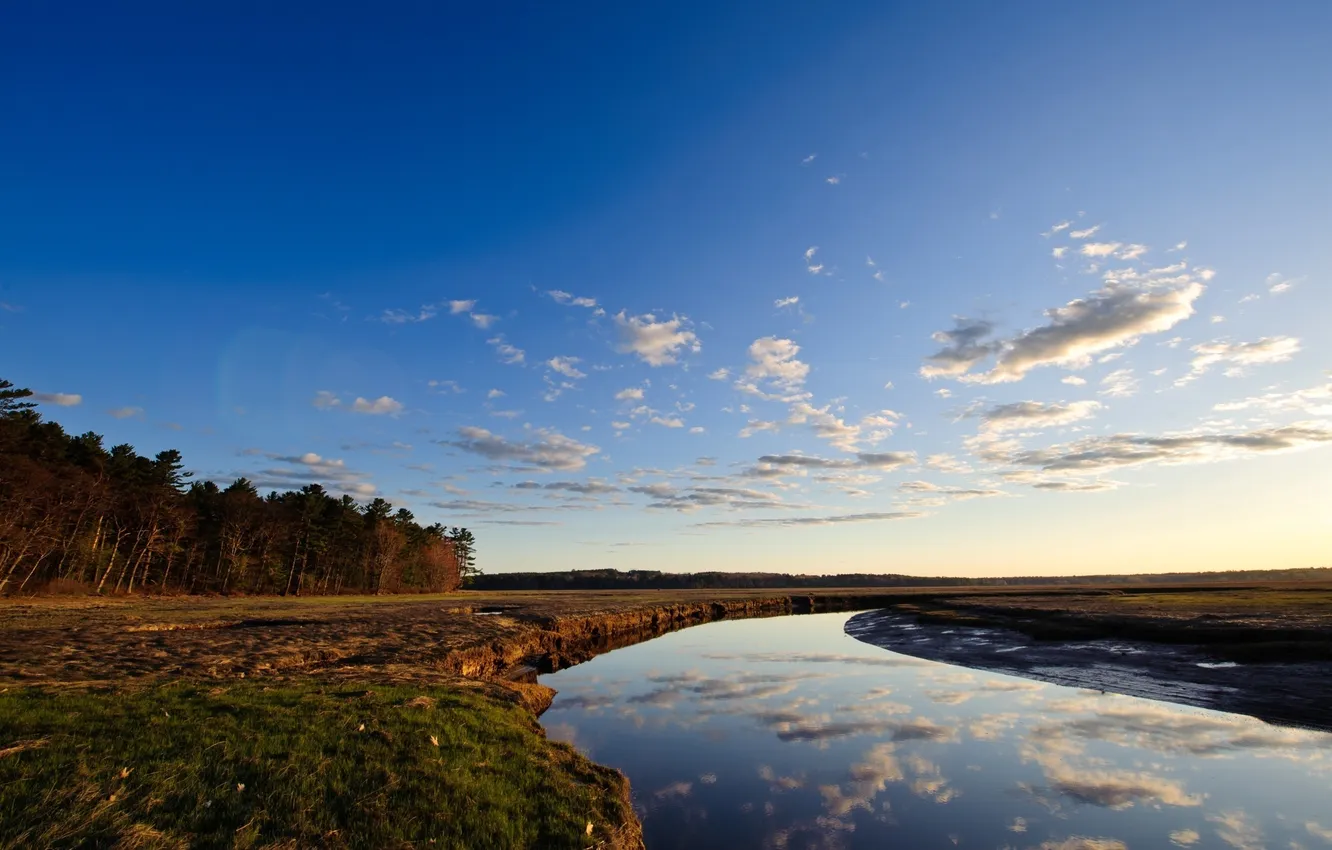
(1260, 653)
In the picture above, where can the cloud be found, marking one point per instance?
(1119, 384)
(863, 460)
(495, 394)
(1113, 316)
(297, 471)
(1099, 249)
(946, 463)
(549, 451)
(1185, 837)
(483, 320)
(325, 400)
(786, 302)
(381, 406)
(1056, 228)
(807, 160)
(585, 488)
(775, 361)
(456, 307)
(810, 265)
(400, 317)
(1278, 283)
(630, 394)
(936, 492)
(962, 348)
(668, 421)
(1073, 380)
(508, 354)
(719, 374)
(1081, 842)
(1315, 400)
(655, 343)
(565, 366)
(796, 522)
(826, 425)
(1239, 355)
(59, 399)
(126, 412)
(1096, 454)
(757, 425)
(451, 386)
(1117, 789)
(833, 180)
(1083, 234)
(1058, 253)
(566, 298)
(666, 496)
(1024, 415)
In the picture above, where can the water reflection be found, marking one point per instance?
(786, 733)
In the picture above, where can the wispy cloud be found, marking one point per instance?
(508, 354)
(1240, 355)
(59, 399)
(657, 343)
(547, 450)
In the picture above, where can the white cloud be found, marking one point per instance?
(1314, 400)
(1278, 283)
(1113, 316)
(698, 429)
(833, 180)
(508, 354)
(1056, 228)
(127, 412)
(483, 320)
(495, 394)
(1240, 355)
(451, 386)
(1073, 380)
(655, 343)
(379, 407)
(549, 450)
(1026, 415)
(297, 471)
(1083, 234)
(814, 268)
(775, 361)
(1058, 253)
(562, 297)
(456, 307)
(944, 392)
(719, 374)
(400, 317)
(936, 494)
(667, 421)
(59, 399)
(946, 463)
(786, 302)
(825, 425)
(325, 400)
(1119, 384)
(807, 160)
(1099, 249)
(565, 366)
(756, 426)
(630, 394)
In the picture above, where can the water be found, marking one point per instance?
(787, 733)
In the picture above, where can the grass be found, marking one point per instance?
(304, 764)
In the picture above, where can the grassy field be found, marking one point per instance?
(189, 764)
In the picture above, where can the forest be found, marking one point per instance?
(75, 516)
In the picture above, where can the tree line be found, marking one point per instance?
(75, 514)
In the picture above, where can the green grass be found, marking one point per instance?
(296, 765)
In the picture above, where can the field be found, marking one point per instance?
(405, 721)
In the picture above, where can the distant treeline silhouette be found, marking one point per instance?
(654, 580)
(77, 515)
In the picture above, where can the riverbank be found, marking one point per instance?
(77, 676)
(1261, 651)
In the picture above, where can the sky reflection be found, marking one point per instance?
(786, 733)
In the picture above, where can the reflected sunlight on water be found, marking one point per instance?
(787, 733)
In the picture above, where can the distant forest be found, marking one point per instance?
(76, 516)
(653, 580)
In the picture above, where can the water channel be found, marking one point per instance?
(787, 733)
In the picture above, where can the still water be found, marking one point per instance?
(787, 733)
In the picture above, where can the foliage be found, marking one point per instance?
(72, 511)
(310, 764)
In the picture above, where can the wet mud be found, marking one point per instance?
(1295, 693)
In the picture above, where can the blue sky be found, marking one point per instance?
(931, 288)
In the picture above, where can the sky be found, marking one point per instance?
(953, 288)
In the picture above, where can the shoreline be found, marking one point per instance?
(492, 645)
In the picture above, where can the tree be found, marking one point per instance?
(464, 543)
(12, 399)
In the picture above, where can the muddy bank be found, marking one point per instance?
(1180, 671)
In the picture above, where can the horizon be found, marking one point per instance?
(879, 289)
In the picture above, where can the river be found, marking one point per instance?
(787, 733)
